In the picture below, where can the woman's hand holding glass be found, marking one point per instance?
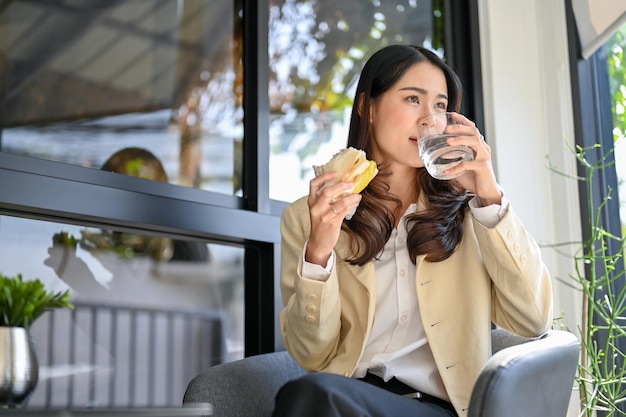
(474, 171)
(327, 212)
(437, 153)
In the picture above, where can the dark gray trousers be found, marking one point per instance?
(321, 394)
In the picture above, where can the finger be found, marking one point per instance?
(460, 169)
(318, 182)
(472, 139)
(326, 196)
(334, 192)
(462, 120)
(345, 204)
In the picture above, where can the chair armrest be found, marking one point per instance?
(245, 387)
(531, 379)
(501, 339)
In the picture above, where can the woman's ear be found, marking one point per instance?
(361, 105)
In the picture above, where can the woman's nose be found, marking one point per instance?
(431, 124)
(427, 120)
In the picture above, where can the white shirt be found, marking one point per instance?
(397, 345)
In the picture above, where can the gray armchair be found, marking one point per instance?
(524, 377)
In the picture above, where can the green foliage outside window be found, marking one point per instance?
(617, 81)
(617, 85)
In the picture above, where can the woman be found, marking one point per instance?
(392, 309)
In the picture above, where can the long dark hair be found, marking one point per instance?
(435, 231)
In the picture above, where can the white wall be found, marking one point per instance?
(528, 115)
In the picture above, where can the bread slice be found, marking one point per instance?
(352, 166)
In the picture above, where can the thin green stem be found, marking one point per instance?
(601, 376)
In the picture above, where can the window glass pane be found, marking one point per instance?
(316, 51)
(150, 312)
(80, 80)
(617, 83)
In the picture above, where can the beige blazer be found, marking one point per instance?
(496, 274)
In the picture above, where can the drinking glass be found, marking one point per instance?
(434, 149)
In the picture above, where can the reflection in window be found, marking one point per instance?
(316, 50)
(151, 312)
(81, 80)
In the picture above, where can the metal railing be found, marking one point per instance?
(110, 356)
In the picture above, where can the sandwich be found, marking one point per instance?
(352, 166)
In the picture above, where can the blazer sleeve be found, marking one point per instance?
(310, 320)
(522, 300)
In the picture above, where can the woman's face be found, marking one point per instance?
(422, 90)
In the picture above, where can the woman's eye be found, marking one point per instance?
(413, 99)
(442, 106)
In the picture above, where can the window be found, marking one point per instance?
(150, 312)
(598, 85)
(617, 88)
(316, 51)
(83, 80)
(143, 127)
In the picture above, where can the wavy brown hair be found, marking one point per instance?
(435, 231)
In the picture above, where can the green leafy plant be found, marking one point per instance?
(22, 302)
(601, 376)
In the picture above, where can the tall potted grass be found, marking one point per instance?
(598, 261)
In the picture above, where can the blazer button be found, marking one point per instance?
(311, 296)
(523, 258)
(311, 308)
(310, 318)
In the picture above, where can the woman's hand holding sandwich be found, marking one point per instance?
(333, 194)
(327, 208)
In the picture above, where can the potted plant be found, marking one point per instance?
(21, 303)
(601, 376)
